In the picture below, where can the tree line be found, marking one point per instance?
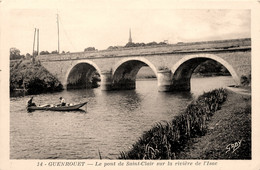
(15, 54)
(132, 44)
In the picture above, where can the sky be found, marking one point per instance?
(100, 24)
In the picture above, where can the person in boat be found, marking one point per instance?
(62, 101)
(30, 102)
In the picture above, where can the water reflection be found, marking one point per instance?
(113, 121)
(128, 100)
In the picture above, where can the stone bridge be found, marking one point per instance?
(172, 64)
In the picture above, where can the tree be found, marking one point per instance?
(28, 56)
(130, 44)
(89, 49)
(54, 52)
(162, 43)
(114, 47)
(151, 43)
(44, 53)
(14, 53)
(111, 48)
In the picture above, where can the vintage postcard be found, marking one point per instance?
(129, 84)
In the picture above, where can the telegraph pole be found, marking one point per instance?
(58, 33)
(38, 41)
(34, 41)
(33, 59)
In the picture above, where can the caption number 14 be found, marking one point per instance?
(39, 163)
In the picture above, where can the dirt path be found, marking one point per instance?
(240, 91)
(229, 132)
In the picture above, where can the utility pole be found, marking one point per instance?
(34, 41)
(38, 41)
(58, 33)
(130, 36)
(33, 59)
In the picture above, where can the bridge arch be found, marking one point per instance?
(141, 59)
(183, 69)
(124, 72)
(79, 74)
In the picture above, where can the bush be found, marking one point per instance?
(95, 80)
(163, 68)
(89, 49)
(245, 80)
(33, 78)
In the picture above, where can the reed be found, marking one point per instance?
(166, 139)
(99, 154)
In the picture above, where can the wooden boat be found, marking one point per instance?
(57, 108)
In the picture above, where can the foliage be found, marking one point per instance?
(113, 47)
(32, 77)
(44, 53)
(84, 82)
(89, 49)
(245, 80)
(210, 67)
(95, 80)
(163, 68)
(28, 56)
(166, 139)
(54, 52)
(15, 54)
(131, 44)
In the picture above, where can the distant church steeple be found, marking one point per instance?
(130, 38)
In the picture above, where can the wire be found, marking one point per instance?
(66, 34)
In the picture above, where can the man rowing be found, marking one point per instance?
(62, 101)
(30, 103)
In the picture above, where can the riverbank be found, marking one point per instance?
(224, 134)
(31, 78)
(230, 125)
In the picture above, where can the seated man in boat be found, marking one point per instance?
(30, 103)
(62, 101)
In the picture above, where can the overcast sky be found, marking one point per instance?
(104, 23)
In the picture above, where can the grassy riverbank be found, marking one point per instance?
(201, 132)
(229, 125)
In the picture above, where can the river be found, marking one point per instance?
(113, 121)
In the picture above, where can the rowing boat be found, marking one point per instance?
(57, 108)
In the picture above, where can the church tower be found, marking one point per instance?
(130, 37)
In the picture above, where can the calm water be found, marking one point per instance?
(113, 121)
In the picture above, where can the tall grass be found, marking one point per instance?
(166, 139)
